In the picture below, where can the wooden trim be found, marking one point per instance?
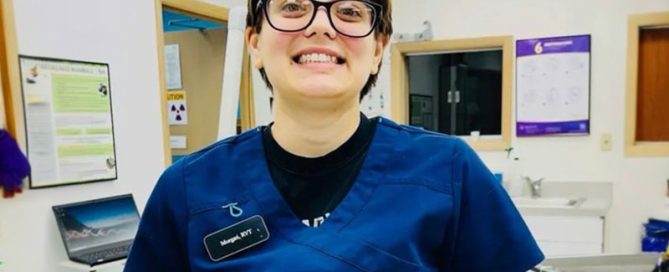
(631, 99)
(3, 119)
(3, 113)
(489, 145)
(632, 147)
(448, 46)
(9, 72)
(249, 80)
(160, 42)
(198, 9)
(648, 149)
(400, 78)
(399, 84)
(245, 95)
(507, 90)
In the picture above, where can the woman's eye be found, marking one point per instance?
(350, 12)
(292, 7)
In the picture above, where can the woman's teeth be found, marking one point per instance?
(317, 58)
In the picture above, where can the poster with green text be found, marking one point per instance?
(68, 121)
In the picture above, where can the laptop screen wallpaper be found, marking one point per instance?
(97, 224)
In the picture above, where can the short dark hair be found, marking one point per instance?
(384, 28)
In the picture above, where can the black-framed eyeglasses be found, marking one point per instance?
(352, 18)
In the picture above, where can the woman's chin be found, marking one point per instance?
(319, 90)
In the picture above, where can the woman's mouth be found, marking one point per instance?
(317, 58)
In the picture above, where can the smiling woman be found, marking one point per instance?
(314, 188)
(371, 22)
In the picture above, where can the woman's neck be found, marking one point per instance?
(311, 131)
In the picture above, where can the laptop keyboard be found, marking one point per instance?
(106, 254)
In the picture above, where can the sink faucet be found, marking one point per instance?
(535, 186)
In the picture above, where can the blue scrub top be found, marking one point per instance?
(423, 201)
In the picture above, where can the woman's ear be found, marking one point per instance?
(252, 39)
(380, 44)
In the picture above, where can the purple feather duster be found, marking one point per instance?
(14, 166)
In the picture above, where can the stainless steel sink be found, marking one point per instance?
(548, 202)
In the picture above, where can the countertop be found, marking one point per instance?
(598, 197)
(603, 263)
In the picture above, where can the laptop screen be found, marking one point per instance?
(97, 223)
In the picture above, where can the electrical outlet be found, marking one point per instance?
(606, 142)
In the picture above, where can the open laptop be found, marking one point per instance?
(99, 230)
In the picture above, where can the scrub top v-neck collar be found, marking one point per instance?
(281, 218)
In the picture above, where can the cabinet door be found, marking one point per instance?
(653, 86)
(567, 235)
(565, 249)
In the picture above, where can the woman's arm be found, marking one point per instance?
(160, 244)
(488, 232)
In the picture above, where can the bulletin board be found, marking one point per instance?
(68, 121)
(193, 111)
(553, 86)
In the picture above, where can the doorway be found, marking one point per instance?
(194, 38)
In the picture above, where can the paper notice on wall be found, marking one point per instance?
(178, 142)
(172, 67)
(177, 107)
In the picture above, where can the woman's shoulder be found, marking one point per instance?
(215, 172)
(414, 155)
(221, 148)
(410, 138)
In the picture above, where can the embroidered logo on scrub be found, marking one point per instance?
(236, 238)
(234, 210)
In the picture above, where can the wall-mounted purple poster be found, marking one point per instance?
(553, 86)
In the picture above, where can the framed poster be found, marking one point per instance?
(553, 86)
(420, 109)
(68, 121)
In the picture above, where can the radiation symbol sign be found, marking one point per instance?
(178, 110)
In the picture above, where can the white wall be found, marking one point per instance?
(639, 183)
(123, 34)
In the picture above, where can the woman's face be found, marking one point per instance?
(317, 62)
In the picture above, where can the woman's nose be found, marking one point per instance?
(321, 25)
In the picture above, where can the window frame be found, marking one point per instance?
(634, 148)
(400, 80)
